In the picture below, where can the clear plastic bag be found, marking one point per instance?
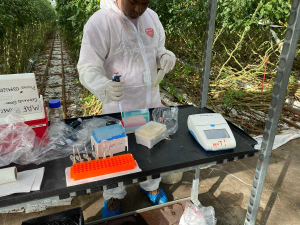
(59, 139)
(87, 125)
(167, 116)
(16, 138)
(19, 144)
(57, 142)
(194, 215)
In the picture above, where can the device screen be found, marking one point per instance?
(216, 134)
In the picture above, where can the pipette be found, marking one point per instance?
(116, 78)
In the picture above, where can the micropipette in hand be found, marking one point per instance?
(116, 78)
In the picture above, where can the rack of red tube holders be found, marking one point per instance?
(97, 167)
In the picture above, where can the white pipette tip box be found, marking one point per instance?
(150, 134)
(114, 136)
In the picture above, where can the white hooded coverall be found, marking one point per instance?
(111, 43)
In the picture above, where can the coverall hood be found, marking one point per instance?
(110, 4)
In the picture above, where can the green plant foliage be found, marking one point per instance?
(24, 27)
(72, 16)
(185, 21)
(18, 13)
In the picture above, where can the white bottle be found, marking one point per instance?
(55, 112)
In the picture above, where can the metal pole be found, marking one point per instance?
(195, 188)
(278, 95)
(211, 18)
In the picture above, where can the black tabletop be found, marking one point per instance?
(180, 152)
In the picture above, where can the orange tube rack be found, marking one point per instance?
(102, 166)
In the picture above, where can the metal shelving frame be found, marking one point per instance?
(279, 90)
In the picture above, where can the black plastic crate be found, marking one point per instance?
(68, 217)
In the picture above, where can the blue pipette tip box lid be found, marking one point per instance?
(108, 133)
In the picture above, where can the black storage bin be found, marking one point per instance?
(68, 217)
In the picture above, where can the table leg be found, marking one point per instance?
(195, 188)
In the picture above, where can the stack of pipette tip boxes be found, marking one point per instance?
(150, 134)
(113, 136)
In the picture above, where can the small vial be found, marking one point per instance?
(56, 112)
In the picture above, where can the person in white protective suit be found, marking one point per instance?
(126, 37)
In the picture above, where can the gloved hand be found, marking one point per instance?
(167, 62)
(115, 90)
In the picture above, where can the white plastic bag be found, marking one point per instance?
(194, 215)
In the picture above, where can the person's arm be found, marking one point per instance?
(94, 49)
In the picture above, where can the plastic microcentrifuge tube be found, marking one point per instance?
(105, 145)
(87, 155)
(74, 159)
(110, 155)
(104, 156)
(81, 160)
(95, 153)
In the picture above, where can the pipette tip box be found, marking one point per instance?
(115, 137)
(132, 120)
(150, 134)
(102, 167)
